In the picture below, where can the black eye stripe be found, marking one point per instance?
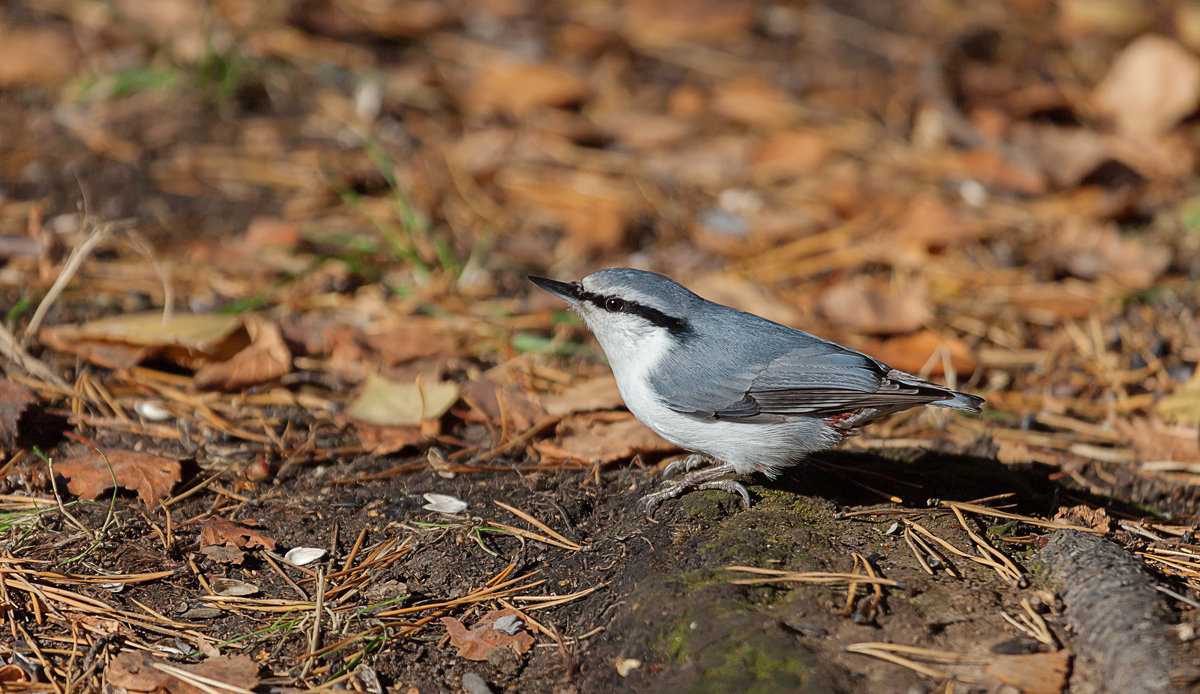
(678, 327)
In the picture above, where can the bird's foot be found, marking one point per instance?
(700, 479)
(686, 464)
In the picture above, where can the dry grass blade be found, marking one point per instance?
(547, 601)
(982, 560)
(910, 657)
(819, 577)
(540, 525)
(986, 511)
(1004, 566)
(1032, 625)
(529, 534)
(205, 684)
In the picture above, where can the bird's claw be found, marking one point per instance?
(687, 464)
(731, 486)
(701, 479)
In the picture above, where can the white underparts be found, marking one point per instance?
(635, 348)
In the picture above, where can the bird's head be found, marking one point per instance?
(629, 310)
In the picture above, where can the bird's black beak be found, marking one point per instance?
(571, 291)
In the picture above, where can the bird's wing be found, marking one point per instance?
(802, 376)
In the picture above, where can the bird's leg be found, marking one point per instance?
(700, 479)
(686, 463)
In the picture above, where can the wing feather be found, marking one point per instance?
(801, 375)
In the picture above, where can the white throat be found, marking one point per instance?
(633, 358)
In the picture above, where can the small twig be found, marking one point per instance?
(93, 237)
(314, 639)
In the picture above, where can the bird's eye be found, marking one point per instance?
(613, 304)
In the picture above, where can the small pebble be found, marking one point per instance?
(474, 684)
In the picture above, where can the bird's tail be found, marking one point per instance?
(952, 399)
(960, 401)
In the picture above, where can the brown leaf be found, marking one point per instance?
(12, 674)
(137, 672)
(122, 341)
(659, 23)
(483, 639)
(1055, 300)
(381, 440)
(752, 102)
(1039, 673)
(516, 89)
(505, 401)
(224, 554)
(14, 398)
(151, 476)
(265, 359)
(912, 353)
(220, 531)
(415, 339)
(1089, 252)
(1095, 518)
(387, 403)
(789, 154)
(929, 224)
(1152, 85)
(991, 169)
(867, 308)
(1156, 441)
(37, 55)
(271, 232)
(599, 393)
(601, 437)
(641, 130)
(594, 209)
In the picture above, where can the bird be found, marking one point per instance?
(741, 393)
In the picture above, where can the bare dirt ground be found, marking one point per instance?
(262, 278)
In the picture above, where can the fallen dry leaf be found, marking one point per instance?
(415, 339)
(1086, 516)
(11, 675)
(266, 358)
(484, 638)
(600, 437)
(594, 209)
(1089, 252)
(151, 476)
(220, 531)
(381, 440)
(867, 308)
(660, 23)
(928, 224)
(14, 398)
(501, 402)
(1152, 85)
(753, 102)
(789, 155)
(913, 353)
(137, 672)
(388, 403)
(1156, 441)
(516, 89)
(641, 130)
(599, 393)
(1038, 673)
(224, 554)
(271, 232)
(190, 339)
(37, 55)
